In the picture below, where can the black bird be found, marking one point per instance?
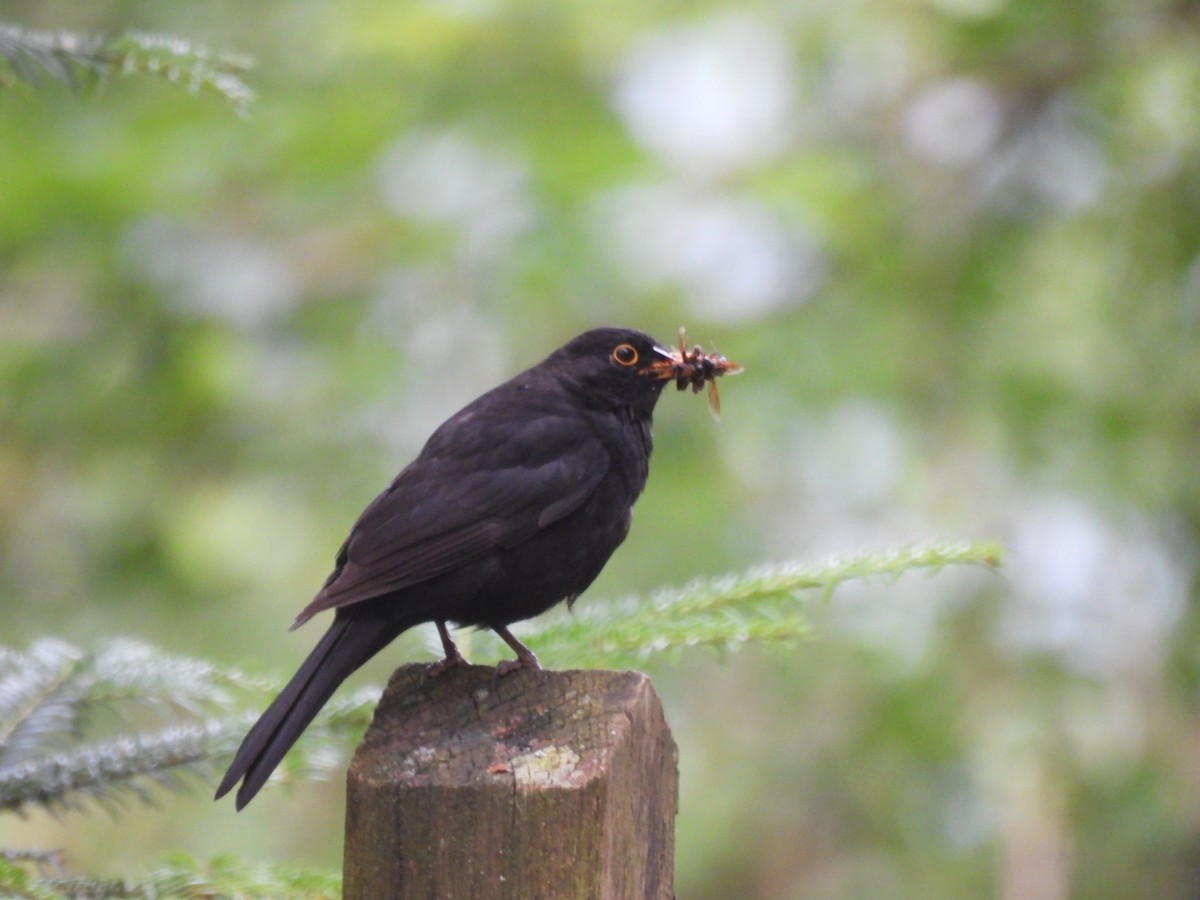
(514, 504)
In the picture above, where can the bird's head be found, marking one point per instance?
(612, 367)
(621, 367)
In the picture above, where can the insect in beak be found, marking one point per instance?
(693, 367)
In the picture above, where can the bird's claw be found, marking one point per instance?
(452, 656)
(524, 660)
(442, 665)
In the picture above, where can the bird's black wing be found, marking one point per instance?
(463, 499)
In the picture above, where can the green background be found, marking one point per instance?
(956, 245)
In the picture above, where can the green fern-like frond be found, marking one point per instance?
(111, 770)
(39, 700)
(128, 675)
(757, 607)
(123, 719)
(177, 876)
(80, 60)
(64, 56)
(183, 63)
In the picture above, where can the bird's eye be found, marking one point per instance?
(625, 354)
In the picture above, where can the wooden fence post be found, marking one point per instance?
(535, 785)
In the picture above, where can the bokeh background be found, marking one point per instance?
(956, 244)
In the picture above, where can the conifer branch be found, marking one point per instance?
(179, 875)
(170, 720)
(727, 612)
(125, 718)
(81, 60)
(105, 770)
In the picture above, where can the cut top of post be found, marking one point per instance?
(468, 728)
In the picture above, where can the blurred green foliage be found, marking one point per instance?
(955, 243)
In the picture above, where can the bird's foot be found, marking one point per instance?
(525, 658)
(443, 665)
(453, 657)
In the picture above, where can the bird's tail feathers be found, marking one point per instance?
(349, 642)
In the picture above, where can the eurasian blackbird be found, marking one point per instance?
(514, 504)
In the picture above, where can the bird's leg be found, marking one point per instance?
(525, 658)
(453, 657)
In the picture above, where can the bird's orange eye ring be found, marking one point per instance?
(625, 355)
